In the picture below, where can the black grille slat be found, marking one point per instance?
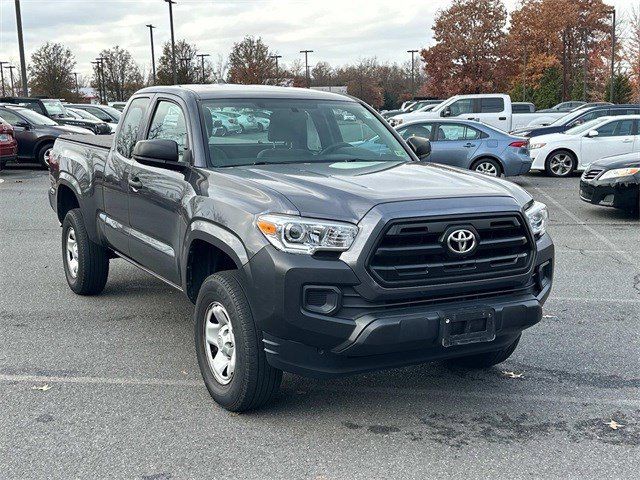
(593, 173)
(412, 253)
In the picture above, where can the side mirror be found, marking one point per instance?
(421, 147)
(158, 153)
(24, 125)
(592, 133)
(446, 112)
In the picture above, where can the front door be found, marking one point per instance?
(614, 138)
(155, 198)
(24, 132)
(115, 217)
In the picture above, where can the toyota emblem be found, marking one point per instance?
(461, 241)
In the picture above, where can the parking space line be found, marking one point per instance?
(588, 228)
(323, 389)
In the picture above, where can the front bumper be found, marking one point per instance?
(371, 327)
(617, 193)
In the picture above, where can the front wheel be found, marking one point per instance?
(487, 359)
(86, 264)
(229, 346)
(43, 155)
(560, 164)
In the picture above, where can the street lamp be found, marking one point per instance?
(2, 77)
(100, 61)
(202, 55)
(75, 74)
(173, 42)
(23, 63)
(11, 67)
(306, 65)
(276, 57)
(97, 64)
(612, 12)
(413, 81)
(153, 57)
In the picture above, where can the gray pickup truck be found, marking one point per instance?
(302, 250)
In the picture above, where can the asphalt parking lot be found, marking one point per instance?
(123, 397)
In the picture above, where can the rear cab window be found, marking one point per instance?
(491, 105)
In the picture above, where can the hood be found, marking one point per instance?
(347, 191)
(555, 137)
(70, 129)
(411, 116)
(618, 161)
(78, 121)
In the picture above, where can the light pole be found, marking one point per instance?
(11, 67)
(23, 64)
(413, 80)
(185, 62)
(100, 61)
(173, 42)
(306, 65)
(97, 64)
(75, 74)
(612, 12)
(153, 57)
(276, 57)
(202, 55)
(2, 77)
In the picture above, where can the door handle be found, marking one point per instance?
(135, 183)
(502, 118)
(469, 145)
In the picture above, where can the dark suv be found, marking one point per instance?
(577, 117)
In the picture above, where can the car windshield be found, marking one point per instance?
(297, 131)
(113, 112)
(55, 108)
(566, 118)
(35, 118)
(583, 127)
(83, 114)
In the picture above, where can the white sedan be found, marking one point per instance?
(560, 154)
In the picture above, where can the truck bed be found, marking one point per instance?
(97, 141)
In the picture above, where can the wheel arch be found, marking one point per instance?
(67, 195)
(490, 156)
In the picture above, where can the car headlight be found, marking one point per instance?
(538, 216)
(306, 235)
(619, 172)
(533, 146)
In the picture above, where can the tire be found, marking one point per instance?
(91, 260)
(487, 359)
(42, 155)
(560, 164)
(246, 381)
(487, 166)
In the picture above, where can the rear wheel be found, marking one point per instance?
(43, 155)
(229, 346)
(488, 166)
(486, 360)
(86, 264)
(561, 163)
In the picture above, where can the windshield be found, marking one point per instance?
(113, 112)
(35, 118)
(54, 108)
(583, 127)
(296, 131)
(566, 118)
(83, 114)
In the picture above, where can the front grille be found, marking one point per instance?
(414, 252)
(591, 174)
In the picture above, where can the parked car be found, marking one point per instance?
(523, 107)
(80, 113)
(118, 105)
(302, 253)
(223, 125)
(579, 116)
(35, 133)
(8, 144)
(413, 106)
(103, 112)
(560, 154)
(469, 145)
(564, 106)
(613, 182)
(246, 122)
(492, 109)
(55, 110)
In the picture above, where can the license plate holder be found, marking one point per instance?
(463, 327)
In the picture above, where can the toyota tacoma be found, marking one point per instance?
(302, 250)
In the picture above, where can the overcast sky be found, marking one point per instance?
(340, 31)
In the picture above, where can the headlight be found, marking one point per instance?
(306, 235)
(538, 216)
(533, 146)
(619, 172)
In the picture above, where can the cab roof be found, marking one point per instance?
(216, 91)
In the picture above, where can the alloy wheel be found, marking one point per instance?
(561, 164)
(72, 253)
(219, 343)
(487, 168)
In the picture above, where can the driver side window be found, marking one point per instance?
(169, 124)
(461, 107)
